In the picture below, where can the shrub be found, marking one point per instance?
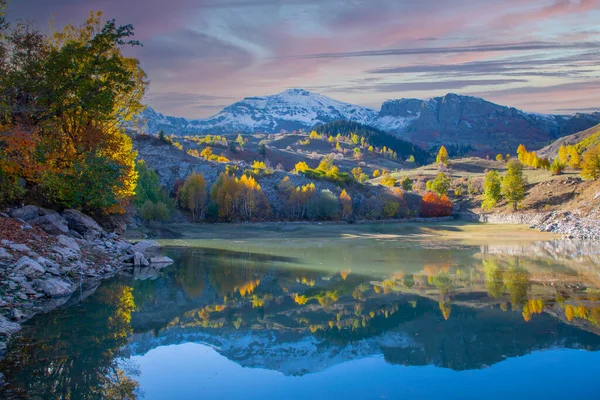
(406, 183)
(388, 180)
(433, 205)
(151, 212)
(325, 206)
(557, 167)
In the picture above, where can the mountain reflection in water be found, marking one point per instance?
(463, 308)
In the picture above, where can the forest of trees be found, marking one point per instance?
(375, 137)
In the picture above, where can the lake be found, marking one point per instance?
(285, 311)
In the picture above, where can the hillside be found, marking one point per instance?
(591, 137)
(450, 120)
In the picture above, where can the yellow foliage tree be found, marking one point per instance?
(346, 201)
(442, 156)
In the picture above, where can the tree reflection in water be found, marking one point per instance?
(83, 352)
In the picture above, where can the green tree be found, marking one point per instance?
(406, 183)
(441, 184)
(514, 183)
(442, 156)
(492, 189)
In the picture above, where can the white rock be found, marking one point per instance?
(68, 242)
(16, 315)
(161, 260)
(139, 260)
(7, 327)
(19, 247)
(29, 268)
(144, 246)
(122, 245)
(54, 287)
(5, 255)
(66, 253)
(47, 263)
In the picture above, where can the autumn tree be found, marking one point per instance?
(563, 154)
(499, 157)
(433, 205)
(76, 91)
(514, 183)
(492, 190)
(590, 168)
(376, 173)
(192, 196)
(574, 157)
(301, 167)
(388, 180)
(239, 198)
(557, 167)
(442, 156)
(346, 202)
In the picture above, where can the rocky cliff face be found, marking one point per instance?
(451, 119)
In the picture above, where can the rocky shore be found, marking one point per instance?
(568, 224)
(47, 257)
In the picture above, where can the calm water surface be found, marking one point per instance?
(378, 312)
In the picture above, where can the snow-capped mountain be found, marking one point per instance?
(450, 119)
(290, 110)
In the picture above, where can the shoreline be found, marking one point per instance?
(49, 259)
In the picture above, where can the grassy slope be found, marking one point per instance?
(477, 167)
(587, 138)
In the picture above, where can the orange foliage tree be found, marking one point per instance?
(433, 205)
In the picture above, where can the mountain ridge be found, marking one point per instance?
(448, 119)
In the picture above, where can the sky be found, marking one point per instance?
(202, 55)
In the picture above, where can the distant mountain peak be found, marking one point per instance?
(449, 119)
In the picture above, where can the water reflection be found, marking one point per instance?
(281, 314)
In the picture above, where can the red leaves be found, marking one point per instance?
(433, 205)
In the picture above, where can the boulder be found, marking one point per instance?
(123, 245)
(5, 255)
(52, 223)
(66, 253)
(69, 243)
(54, 287)
(16, 315)
(29, 268)
(144, 246)
(162, 261)
(82, 224)
(46, 263)
(139, 260)
(26, 213)
(7, 327)
(19, 247)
